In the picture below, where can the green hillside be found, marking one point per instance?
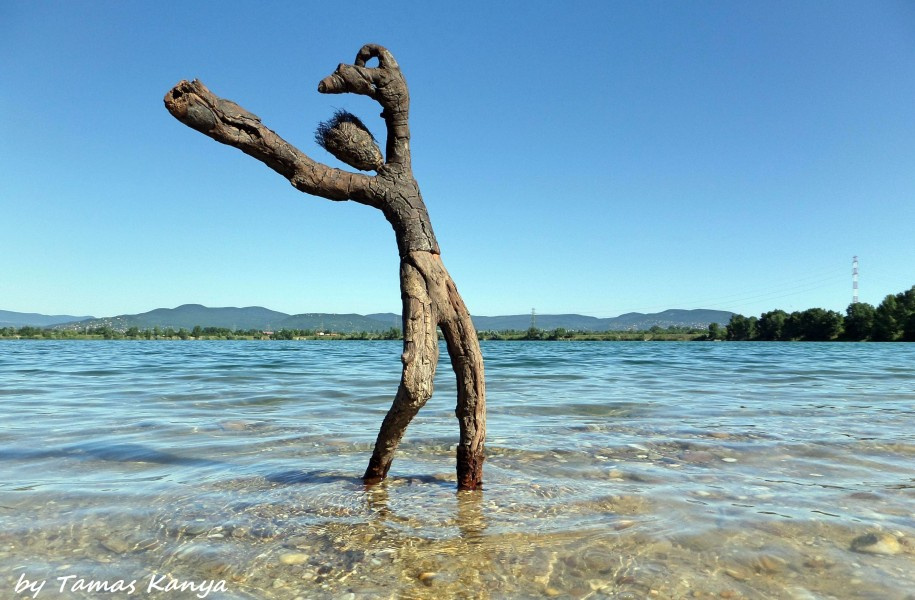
(188, 316)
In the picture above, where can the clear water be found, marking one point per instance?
(614, 470)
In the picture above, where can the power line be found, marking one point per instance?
(794, 286)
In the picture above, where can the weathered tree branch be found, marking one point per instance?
(430, 297)
(226, 122)
(386, 85)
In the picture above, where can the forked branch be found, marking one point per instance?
(226, 122)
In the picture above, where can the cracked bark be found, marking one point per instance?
(430, 297)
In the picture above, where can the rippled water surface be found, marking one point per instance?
(614, 470)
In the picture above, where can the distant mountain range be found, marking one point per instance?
(257, 317)
(251, 317)
(630, 321)
(18, 319)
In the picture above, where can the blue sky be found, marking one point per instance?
(590, 157)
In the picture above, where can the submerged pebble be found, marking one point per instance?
(115, 545)
(194, 529)
(293, 558)
(696, 457)
(877, 543)
(236, 425)
(817, 562)
(766, 563)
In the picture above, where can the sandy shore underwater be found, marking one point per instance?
(614, 471)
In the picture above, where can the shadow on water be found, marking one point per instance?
(294, 477)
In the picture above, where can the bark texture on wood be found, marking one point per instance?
(197, 107)
(430, 297)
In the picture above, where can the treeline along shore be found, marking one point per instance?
(394, 333)
(893, 320)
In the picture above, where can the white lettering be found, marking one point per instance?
(214, 586)
(154, 583)
(202, 588)
(63, 582)
(24, 585)
(90, 585)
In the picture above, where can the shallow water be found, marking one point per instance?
(614, 470)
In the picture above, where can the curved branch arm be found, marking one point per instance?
(228, 123)
(384, 56)
(386, 85)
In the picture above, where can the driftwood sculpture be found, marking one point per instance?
(430, 298)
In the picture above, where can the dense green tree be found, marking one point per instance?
(753, 327)
(394, 333)
(908, 330)
(859, 321)
(886, 324)
(907, 298)
(741, 328)
(534, 333)
(771, 325)
(794, 327)
(892, 316)
(557, 334)
(715, 332)
(817, 325)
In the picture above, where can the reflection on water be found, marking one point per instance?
(614, 470)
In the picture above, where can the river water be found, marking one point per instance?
(615, 470)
